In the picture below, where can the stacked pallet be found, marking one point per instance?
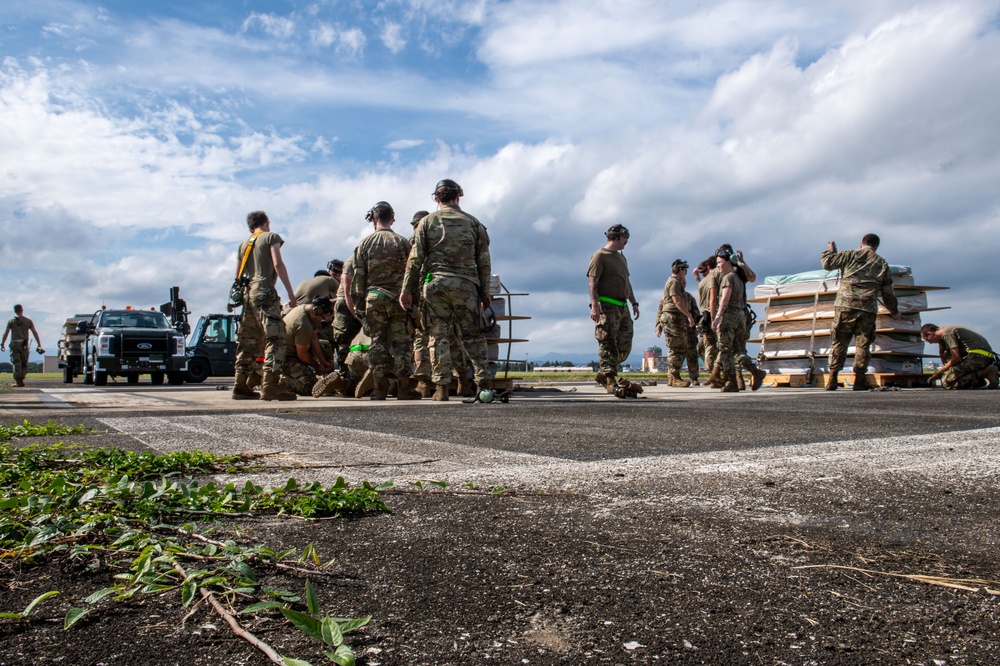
(798, 312)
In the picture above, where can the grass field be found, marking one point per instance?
(527, 377)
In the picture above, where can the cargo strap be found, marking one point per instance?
(246, 253)
(612, 301)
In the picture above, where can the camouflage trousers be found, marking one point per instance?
(692, 357)
(19, 358)
(422, 353)
(675, 335)
(614, 337)
(390, 328)
(708, 347)
(262, 333)
(849, 323)
(733, 342)
(965, 374)
(297, 376)
(345, 327)
(453, 303)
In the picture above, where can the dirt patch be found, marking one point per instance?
(455, 578)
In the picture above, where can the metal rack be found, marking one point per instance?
(507, 318)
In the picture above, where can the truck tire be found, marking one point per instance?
(67, 374)
(175, 378)
(198, 371)
(100, 378)
(132, 378)
(156, 378)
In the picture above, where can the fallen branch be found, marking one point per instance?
(943, 581)
(234, 625)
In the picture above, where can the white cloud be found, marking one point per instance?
(323, 35)
(404, 144)
(392, 37)
(280, 27)
(351, 42)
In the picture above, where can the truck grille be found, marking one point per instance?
(142, 346)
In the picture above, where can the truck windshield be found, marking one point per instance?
(134, 319)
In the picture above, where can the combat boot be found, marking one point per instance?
(741, 384)
(832, 382)
(381, 389)
(19, 382)
(694, 381)
(715, 377)
(676, 380)
(405, 392)
(758, 378)
(465, 387)
(992, 375)
(329, 383)
(610, 382)
(730, 385)
(440, 393)
(600, 378)
(272, 390)
(255, 379)
(366, 384)
(424, 386)
(860, 382)
(242, 391)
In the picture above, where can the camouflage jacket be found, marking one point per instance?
(449, 242)
(379, 262)
(864, 277)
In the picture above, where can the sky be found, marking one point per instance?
(136, 137)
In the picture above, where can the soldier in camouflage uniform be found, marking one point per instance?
(730, 323)
(262, 331)
(692, 358)
(674, 321)
(610, 288)
(379, 264)
(864, 277)
(450, 259)
(305, 358)
(708, 341)
(345, 326)
(20, 328)
(966, 356)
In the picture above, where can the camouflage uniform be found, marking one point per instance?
(19, 328)
(345, 325)
(692, 339)
(674, 325)
(968, 373)
(296, 375)
(732, 328)
(864, 276)
(613, 329)
(450, 258)
(708, 342)
(262, 333)
(379, 263)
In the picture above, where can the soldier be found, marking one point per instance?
(345, 326)
(708, 341)
(305, 358)
(967, 357)
(730, 323)
(674, 321)
(259, 266)
(451, 259)
(324, 284)
(20, 328)
(864, 276)
(692, 358)
(610, 288)
(379, 264)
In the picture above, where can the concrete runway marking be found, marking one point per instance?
(62, 398)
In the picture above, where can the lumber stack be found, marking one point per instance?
(794, 332)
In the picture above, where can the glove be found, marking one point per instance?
(39, 349)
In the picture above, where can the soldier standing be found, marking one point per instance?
(864, 276)
(675, 320)
(730, 322)
(451, 259)
(260, 266)
(708, 342)
(304, 359)
(379, 265)
(693, 358)
(610, 288)
(20, 328)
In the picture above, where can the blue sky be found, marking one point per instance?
(135, 137)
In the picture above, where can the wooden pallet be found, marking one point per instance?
(878, 379)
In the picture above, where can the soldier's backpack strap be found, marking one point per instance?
(246, 253)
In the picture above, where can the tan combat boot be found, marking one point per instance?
(740, 382)
(758, 378)
(242, 390)
(465, 387)
(381, 389)
(860, 382)
(715, 379)
(272, 390)
(366, 384)
(610, 382)
(405, 391)
(676, 380)
(601, 378)
(731, 386)
(327, 384)
(440, 393)
(832, 382)
(694, 380)
(424, 386)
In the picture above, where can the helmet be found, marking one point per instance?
(678, 265)
(323, 305)
(382, 210)
(617, 230)
(419, 215)
(449, 187)
(335, 266)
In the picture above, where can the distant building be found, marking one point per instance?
(653, 360)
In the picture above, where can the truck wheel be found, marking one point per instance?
(198, 371)
(156, 378)
(67, 375)
(132, 378)
(87, 377)
(175, 378)
(100, 378)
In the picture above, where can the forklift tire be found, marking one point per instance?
(198, 371)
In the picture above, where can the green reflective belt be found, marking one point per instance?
(427, 277)
(981, 352)
(358, 348)
(612, 301)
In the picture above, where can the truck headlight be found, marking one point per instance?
(179, 345)
(104, 345)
